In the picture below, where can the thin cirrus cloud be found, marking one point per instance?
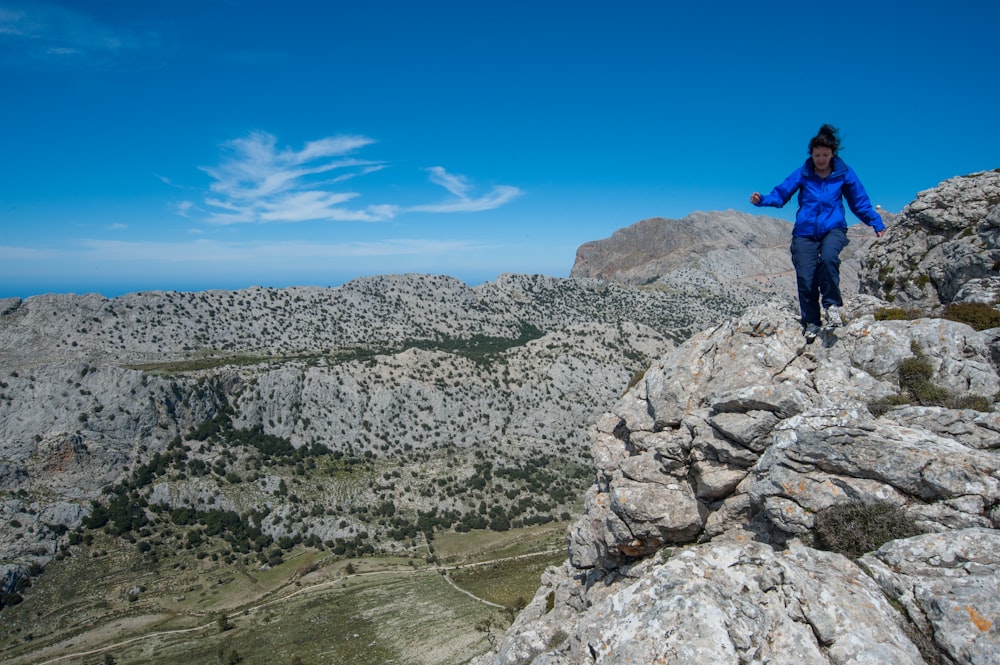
(258, 182)
(211, 252)
(459, 186)
(124, 257)
(45, 34)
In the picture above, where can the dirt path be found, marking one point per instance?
(319, 586)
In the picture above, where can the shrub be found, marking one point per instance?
(222, 623)
(896, 314)
(858, 528)
(636, 377)
(976, 314)
(916, 387)
(915, 375)
(10, 599)
(556, 639)
(971, 401)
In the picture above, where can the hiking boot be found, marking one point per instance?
(833, 318)
(812, 332)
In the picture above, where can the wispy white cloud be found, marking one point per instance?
(255, 169)
(456, 184)
(360, 172)
(48, 34)
(303, 206)
(259, 182)
(460, 187)
(184, 208)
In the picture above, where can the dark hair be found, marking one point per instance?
(827, 137)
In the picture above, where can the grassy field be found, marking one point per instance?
(511, 582)
(106, 602)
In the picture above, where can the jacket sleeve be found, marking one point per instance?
(860, 204)
(781, 194)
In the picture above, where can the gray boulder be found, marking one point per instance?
(949, 585)
(940, 242)
(729, 602)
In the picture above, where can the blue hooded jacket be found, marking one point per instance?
(821, 200)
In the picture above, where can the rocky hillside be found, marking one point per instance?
(742, 257)
(759, 499)
(356, 418)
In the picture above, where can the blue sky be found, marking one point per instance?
(228, 143)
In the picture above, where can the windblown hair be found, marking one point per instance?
(827, 137)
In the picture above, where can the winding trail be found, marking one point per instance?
(319, 586)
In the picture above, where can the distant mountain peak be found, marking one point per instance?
(740, 256)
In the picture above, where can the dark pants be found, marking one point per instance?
(817, 272)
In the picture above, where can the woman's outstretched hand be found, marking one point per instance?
(755, 198)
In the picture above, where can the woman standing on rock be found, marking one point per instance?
(820, 231)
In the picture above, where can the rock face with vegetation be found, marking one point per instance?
(759, 499)
(944, 248)
(357, 419)
(363, 419)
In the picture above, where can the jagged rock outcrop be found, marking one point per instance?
(740, 257)
(944, 247)
(739, 440)
(706, 536)
(731, 602)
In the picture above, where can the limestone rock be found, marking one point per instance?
(742, 436)
(940, 242)
(726, 603)
(949, 585)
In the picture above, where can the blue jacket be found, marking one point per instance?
(821, 200)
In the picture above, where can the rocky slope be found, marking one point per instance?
(761, 500)
(378, 313)
(356, 417)
(742, 257)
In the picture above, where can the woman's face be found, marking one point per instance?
(822, 158)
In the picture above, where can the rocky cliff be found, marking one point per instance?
(763, 500)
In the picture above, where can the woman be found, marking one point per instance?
(820, 231)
